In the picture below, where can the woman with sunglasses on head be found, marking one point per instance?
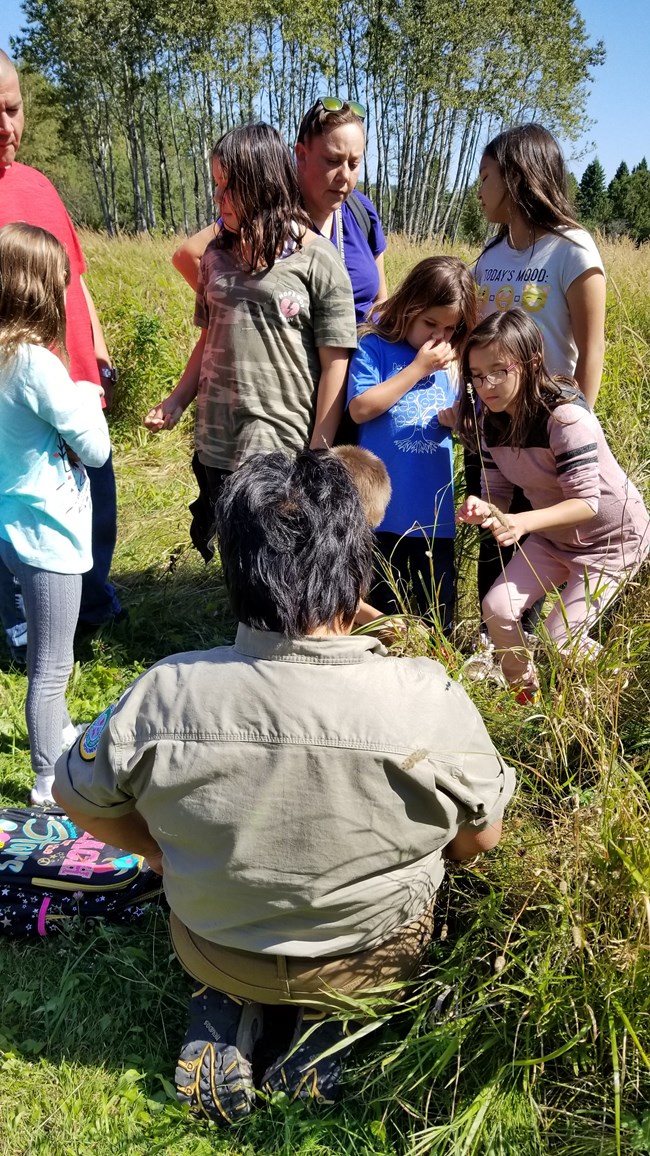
(329, 150)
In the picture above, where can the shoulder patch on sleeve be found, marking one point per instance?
(89, 740)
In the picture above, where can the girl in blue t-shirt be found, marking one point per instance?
(49, 426)
(403, 373)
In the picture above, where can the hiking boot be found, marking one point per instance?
(304, 1072)
(214, 1073)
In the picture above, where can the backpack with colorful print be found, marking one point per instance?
(51, 871)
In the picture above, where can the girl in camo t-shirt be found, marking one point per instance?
(276, 316)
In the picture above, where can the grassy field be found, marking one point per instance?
(529, 1031)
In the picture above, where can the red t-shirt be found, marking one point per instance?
(26, 195)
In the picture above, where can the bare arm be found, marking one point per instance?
(379, 398)
(169, 412)
(128, 832)
(586, 302)
(187, 258)
(99, 344)
(467, 844)
(366, 614)
(330, 400)
(382, 292)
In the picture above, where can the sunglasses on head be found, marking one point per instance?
(335, 104)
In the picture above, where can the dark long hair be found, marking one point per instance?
(532, 167)
(261, 179)
(436, 281)
(518, 339)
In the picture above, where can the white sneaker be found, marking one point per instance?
(70, 734)
(482, 663)
(41, 793)
(530, 640)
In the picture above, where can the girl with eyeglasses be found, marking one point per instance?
(587, 530)
(329, 151)
(402, 381)
(543, 262)
(276, 319)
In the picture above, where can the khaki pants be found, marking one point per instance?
(323, 983)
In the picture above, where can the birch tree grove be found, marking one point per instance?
(144, 89)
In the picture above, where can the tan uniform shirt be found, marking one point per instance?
(301, 790)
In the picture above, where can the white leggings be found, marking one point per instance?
(51, 610)
(536, 568)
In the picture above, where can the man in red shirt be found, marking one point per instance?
(26, 195)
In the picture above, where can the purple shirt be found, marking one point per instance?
(359, 254)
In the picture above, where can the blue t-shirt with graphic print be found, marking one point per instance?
(416, 450)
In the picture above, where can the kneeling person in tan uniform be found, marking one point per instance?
(297, 790)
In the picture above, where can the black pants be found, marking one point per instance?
(493, 559)
(210, 480)
(428, 566)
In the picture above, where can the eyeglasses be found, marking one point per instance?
(497, 377)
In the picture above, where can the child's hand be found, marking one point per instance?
(449, 416)
(506, 528)
(509, 531)
(433, 355)
(164, 416)
(475, 512)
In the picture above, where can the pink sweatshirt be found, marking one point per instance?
(571, 459)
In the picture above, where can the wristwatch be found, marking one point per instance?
(108, 373)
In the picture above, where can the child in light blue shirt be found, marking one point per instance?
(50, 427)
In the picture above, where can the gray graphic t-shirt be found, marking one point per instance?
(260, 368)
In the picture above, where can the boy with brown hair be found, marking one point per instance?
(372, 482)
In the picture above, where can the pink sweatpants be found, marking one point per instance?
(537, 568)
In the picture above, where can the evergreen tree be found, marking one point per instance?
(637, 203)
(593, 203)
(617, 193)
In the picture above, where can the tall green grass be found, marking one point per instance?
(529, 1030)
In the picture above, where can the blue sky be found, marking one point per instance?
(618, 95)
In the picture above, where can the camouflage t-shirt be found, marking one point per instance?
(260, 368)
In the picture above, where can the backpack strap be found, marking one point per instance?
(360, 214)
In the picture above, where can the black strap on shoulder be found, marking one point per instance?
(360, 214)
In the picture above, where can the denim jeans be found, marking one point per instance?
(99, 602)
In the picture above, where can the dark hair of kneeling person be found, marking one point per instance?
(295, 543)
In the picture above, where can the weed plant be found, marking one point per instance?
(528, 1031)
